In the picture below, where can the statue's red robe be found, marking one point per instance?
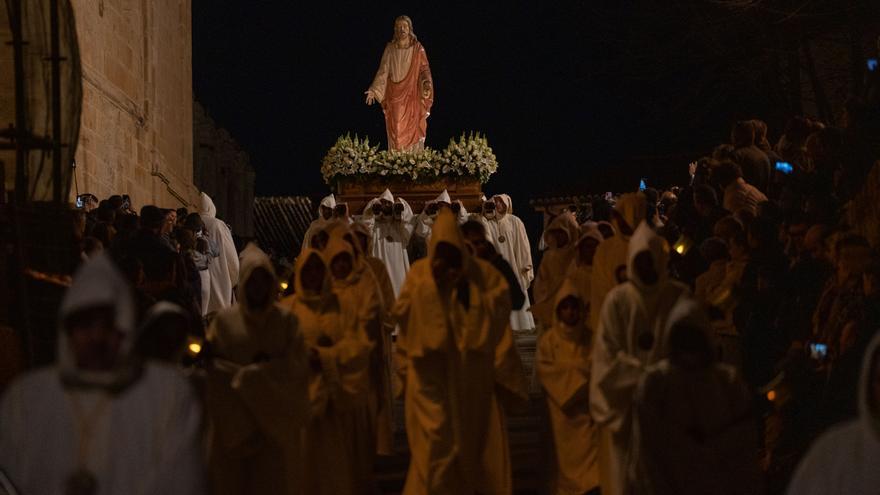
(406, 109)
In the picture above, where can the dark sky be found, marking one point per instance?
(287, 78)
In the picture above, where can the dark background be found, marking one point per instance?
(575, 97)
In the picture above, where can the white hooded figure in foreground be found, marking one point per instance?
(453, 312)
(391, 222)
(224, 268)
(325, 215)
(694, 429)
(512, 242)
(845, 459)
(630, 337)
(563, 366)
(99, 420)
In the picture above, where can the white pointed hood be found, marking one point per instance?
(633, 207)
(329, 201)
(580, 332)
(386, 195)
(644, 239)
(687, 311)
(507, 201)
(207, 207)
(251, 258)
(443, 197)
(98, 283)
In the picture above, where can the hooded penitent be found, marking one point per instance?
(845, 458)
(99, 283)
(693, 429)
(256, 396)
(563, 366)
(224, 268)
(581, 274)
(318, 223)
(512, 243)
(554, 264)
(335, 389)
(632, 323)
(609, 264)
(391, 235)
(384, 422)
(425, 221)
(361, 312)
(447, 346)
(145, 429)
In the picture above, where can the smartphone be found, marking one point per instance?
(872, 64)
(79, 201)
(784, 167)
(818, 351)
(643, 184)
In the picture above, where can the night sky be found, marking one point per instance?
(558, 88)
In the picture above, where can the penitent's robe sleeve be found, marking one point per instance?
(523, 252)
(565, 378)
(275, 392)
(400, 313)
(614, 374)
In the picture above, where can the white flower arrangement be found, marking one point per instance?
(469, 156)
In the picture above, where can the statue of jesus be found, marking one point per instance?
(404, 88)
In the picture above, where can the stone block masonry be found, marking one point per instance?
(137, 118)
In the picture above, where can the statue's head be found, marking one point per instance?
(403, 28)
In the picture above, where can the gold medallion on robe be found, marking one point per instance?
(501, 238)
(389, 239)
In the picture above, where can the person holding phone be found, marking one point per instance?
(425, 220)
(391, 222)
(512, 242)
(326, 211)
(845, 458)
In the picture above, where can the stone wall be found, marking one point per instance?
(137, 120)
(224, 172)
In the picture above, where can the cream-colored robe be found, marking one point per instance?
(512, 243)
(145, 437)
(390, 238)
(632, 325)
(448, 353)
(361, 311)
(554, 266)
(341, 383)
(224, 269)
(609, 264)
(256, 394)
(694, 432)
(319, 223)
(563, 366)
